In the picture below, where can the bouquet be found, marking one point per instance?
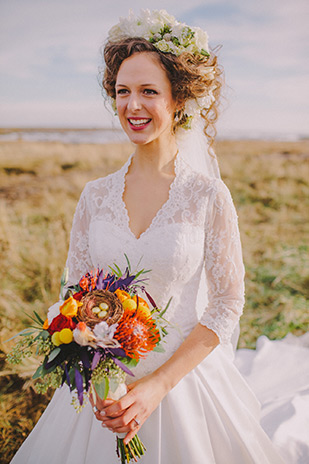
(93, 339)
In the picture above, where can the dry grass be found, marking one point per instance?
(39, 187)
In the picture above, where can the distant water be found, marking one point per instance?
(65, 135)
(117, 135)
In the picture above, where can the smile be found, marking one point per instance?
(139, 123)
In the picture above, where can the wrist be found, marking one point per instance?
(164, 380)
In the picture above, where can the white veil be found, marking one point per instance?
(195, 151)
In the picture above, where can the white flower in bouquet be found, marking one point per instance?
(53, 312)
(103, 330)
(83, 335)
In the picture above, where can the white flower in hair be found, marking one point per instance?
(162, 16)
(169, 36)
(193, 106)
(158, 26)
(163, 46)
(201, 38)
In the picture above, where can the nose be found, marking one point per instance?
(134, 102)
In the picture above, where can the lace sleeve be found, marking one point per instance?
(223, 265)
(79, 261)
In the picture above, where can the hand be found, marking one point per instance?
(99, 404)
(142, 399)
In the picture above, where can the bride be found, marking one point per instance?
(168, 209)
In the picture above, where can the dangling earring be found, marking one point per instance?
(177, 116)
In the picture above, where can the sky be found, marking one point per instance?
(49, 58)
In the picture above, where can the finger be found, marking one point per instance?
(96, 407)
(119, 406)
(126, 421)
(131, 427)
(97, 414)
(129, 436)
(105, 403)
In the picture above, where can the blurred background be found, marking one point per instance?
(49, 58)
(56, 134)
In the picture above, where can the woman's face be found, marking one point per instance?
(144, 99)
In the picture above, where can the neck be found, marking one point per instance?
(156, 156)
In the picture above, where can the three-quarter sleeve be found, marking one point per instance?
(79, 260)
(223, 264)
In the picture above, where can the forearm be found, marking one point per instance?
(191, 352)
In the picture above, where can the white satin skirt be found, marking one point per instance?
(211, 417)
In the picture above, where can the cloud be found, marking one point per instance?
(46, 113)
(50, 53)
(265, 57)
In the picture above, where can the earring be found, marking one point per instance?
(177, 116)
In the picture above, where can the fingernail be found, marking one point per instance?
(102, 413)
(103, 425)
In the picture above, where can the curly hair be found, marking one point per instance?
(187, 74)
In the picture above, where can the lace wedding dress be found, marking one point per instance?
(211, 416)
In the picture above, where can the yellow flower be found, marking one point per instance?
(65, 336)
(70, 307)
(55, 339)
(143, 306)
(122, 294)
(129, 305)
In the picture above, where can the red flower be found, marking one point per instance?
(61, 322)
(78, 296)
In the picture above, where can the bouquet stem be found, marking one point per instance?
(133, 450)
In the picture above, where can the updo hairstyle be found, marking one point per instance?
(186, 72)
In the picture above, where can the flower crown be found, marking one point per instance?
(169, 36)
(163, 31)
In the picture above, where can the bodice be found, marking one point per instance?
(195, 233)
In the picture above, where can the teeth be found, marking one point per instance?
(138, 122)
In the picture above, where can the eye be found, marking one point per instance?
(150, 92)
(121, 91)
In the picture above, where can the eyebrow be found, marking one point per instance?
(142, 85)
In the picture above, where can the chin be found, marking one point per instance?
(139, 139)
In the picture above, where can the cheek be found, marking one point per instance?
(168, 113)
(164, 111)
(118, 103)
(120, 106)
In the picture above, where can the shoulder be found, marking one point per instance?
(100, 183)
(103, 186)
(206, 185)
(217, 196)
(218, 189)
(209, 187)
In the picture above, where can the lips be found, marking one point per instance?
(139, 123)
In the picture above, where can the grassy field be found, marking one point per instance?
(39, 187)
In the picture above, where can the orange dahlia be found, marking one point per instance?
(137, 333)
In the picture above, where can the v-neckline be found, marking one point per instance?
(159, 211)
